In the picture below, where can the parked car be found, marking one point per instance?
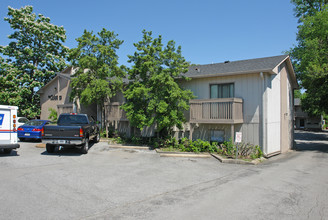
(72, 131)
(31, 130)
(21, 121)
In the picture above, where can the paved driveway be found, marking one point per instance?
(138, 184)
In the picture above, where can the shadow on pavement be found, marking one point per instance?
(11, 154)
(67, 152)
(311, 141)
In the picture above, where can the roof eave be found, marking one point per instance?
(59, 75)
(270, 71)
(291, 70)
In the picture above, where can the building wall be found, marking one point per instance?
(247, 87)
(310, 123)
(267, 108)
(291, 122)
(272, 114)
(287, 115)
(54, 90)
(60, 101)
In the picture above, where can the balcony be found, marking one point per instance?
(216, 111)
(299, 114)
(113, 112)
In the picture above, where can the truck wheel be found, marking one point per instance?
(22, 139)
(97, 138)
(7, 151)
(50, 148)
(85, 147)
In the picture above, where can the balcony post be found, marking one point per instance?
(191, 131)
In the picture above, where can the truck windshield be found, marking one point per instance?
(72, 119)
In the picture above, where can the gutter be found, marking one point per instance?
(270, 71)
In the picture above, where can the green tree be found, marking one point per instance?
(10, 84)
(33, 57)
(310, 60)
(297, 93)
(53, 116)
(305, 8)
(98, 77)
(154, 95)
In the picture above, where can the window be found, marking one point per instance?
(222, 91)
(217, 136)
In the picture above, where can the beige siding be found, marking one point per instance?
(273, 112)
(248, 88)
(285, 142)
(64, 105)
(54, 89)
(290, 92)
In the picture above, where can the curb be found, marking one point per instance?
(238, 161)
(129, 147)
(40, 145)
(104, 140)
(182, 154)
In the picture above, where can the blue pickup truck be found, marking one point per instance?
(72, 131)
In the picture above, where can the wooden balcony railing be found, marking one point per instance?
(300, 114)
(113, 112)
(216, 111)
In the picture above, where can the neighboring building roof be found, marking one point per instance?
(266, 64)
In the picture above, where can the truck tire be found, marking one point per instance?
(50, 148)
(85, 146)
(97, 138)
(7, 151)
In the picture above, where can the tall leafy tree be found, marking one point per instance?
(98, 77)
(33, 57)
(304, 8)
(310, 56)
(10, 84)
(154, 95)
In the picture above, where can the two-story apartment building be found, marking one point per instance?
(254, 97)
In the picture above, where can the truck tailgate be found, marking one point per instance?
(61, 132)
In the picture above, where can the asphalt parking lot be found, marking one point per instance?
(111, 183)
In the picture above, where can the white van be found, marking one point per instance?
(8, 128)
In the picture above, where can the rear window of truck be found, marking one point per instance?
(72, 119)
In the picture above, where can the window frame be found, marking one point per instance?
(220, 85)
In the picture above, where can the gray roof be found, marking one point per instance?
(235, 67)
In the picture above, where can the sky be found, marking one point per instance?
(209, 31)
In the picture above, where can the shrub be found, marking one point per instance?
(53, 116)
(186, 145)
(228, 148)
(103, 133)
(245, 150)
